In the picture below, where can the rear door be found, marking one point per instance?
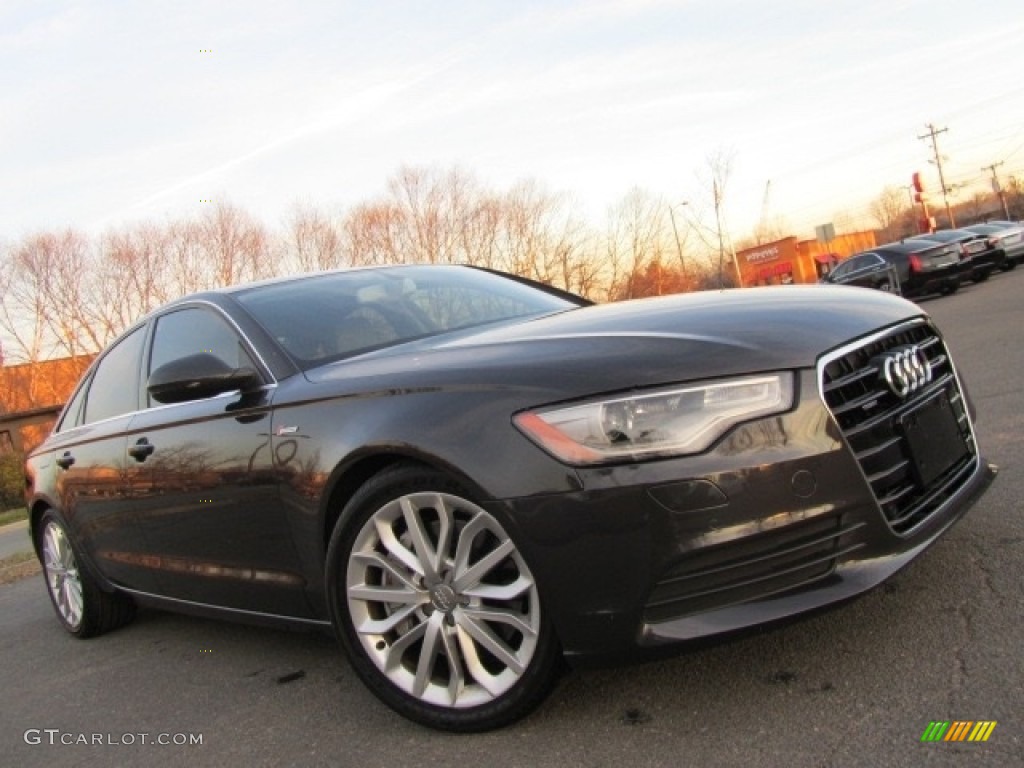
(90, 454)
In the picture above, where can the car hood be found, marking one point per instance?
(636, 343)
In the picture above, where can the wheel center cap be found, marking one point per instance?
(444, 598)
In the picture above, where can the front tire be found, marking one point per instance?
(436, 608)
(82, 607)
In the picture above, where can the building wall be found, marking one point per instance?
(31, 396)
(24, 430)
(789, 260)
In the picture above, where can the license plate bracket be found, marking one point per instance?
(933, 438)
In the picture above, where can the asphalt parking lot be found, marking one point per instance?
(856, 686)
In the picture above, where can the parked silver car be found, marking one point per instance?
(1010, 237)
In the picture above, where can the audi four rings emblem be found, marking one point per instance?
(906, 370)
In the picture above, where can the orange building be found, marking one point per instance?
(790, 260)
(31, 397)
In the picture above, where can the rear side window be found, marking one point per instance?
(73, 413)
(115, 384)
(847, 267)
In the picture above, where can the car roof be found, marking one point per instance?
(906, 246)
(991, 227)
(946, 235)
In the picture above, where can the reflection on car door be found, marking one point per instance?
(90, 458)
(205, 487)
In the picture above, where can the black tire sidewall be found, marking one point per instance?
(82, 629)
(101, 611)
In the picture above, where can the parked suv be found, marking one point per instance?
(910, 267)
(980, 255)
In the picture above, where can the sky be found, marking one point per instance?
(113, 113)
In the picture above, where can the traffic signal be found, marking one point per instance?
(920, 196)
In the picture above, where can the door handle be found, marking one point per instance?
(65, 461)
(142, 449)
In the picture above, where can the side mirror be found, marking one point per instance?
(197, 377)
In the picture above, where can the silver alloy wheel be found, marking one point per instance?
(62, 575)
(442, 601)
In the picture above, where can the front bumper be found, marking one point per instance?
(776, 521)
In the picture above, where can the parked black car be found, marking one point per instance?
(909, 267)
(468, 476)
(980, 254)
(1008, 236)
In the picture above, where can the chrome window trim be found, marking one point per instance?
(152, 320)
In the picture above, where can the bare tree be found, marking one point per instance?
(976, 208)
(705, 216)
(134, 275)
(22, 310)
(314, 240)
(483, 233)
(188, 270)
(52, 277)
(719, 170)
(373, 234)
(889, 212)
(435, 217)
(636, 237)
(434, 207)
(235, 245)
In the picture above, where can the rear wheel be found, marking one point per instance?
(435, 606)
(81, 605)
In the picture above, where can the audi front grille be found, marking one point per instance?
(902, 413)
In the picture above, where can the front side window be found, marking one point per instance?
(192, 331)
(115, 384)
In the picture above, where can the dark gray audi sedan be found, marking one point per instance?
(469, 477)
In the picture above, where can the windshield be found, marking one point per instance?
(323, 318)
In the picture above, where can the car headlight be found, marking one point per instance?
(681, 420)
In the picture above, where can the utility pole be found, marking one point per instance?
(997, 187)
(932, 134)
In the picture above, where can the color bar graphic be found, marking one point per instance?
(958, 730)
